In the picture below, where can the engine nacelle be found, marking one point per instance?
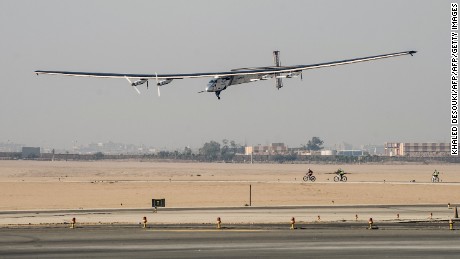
(139, 82)
(292, 74)
(164, 82)
(266, 77)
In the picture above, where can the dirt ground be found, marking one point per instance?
(131, 184)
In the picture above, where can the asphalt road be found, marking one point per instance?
(268, 241)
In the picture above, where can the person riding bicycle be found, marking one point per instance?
(310, 172)
(340, 173)
(435, 174)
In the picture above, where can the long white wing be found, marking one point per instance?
(248, 71)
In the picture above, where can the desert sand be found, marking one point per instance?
(30, 185)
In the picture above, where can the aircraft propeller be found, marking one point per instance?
(133, 85)
(158, 84)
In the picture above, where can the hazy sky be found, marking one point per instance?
(402, 99)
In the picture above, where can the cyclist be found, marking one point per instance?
(340, 172)
(310, 172)
(435, 174)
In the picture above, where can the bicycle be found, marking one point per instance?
(435, 179)
(338, 179)
(309, 177)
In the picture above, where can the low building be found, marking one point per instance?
(351, 152)
(328, 152)
(30, 152)
(417, 149)
(374, 149)
(274, 148)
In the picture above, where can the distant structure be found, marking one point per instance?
(351, 152)
(30, 152)
(274, 148)
(10, 147)
(328, 152)
(374, 149)
(343, 146)
(417, 149)
(112, 148)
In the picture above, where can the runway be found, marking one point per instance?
(205, 242)
(234, 215)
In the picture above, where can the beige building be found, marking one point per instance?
(274, 148)
(417, 149)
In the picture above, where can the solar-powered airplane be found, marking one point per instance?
(221, 80)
